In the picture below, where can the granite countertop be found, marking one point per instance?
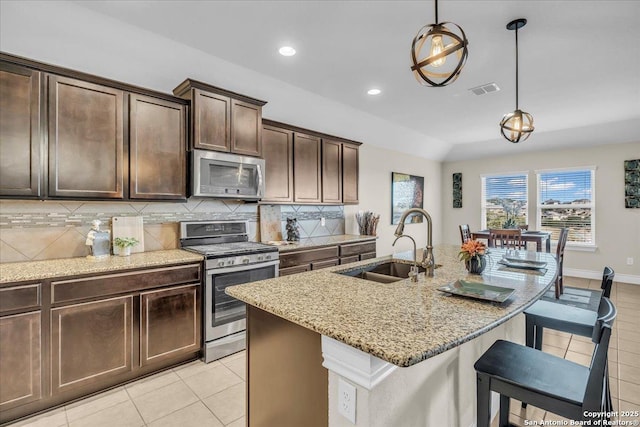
(402, 323)
(313, 242)
(38, 270)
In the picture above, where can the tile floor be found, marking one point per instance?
(198, 394)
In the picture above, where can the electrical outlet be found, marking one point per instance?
(347, 400)
(630, 261)
(323, 222)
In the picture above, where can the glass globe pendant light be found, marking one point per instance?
(518, 125)
(438, 53)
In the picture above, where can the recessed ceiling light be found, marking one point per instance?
(374, 91)
(287, 51)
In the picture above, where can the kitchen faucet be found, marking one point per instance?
(413, 273)
(428, 262)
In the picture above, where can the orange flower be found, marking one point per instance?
(471, 249)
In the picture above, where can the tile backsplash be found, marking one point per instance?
(37, 230)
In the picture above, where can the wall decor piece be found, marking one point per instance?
(632, 183)
(457, 190)
(406, 192)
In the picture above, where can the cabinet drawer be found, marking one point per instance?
(357, 248)
(347, 260)
(111, 284)
(20, 297)
(368, 255)
(291, 259)
(325, 264)
(293, 270)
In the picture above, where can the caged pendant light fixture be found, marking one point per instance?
(446, 53)
(518, 125)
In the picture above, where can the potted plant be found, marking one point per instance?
(125, 244)
(473, 255)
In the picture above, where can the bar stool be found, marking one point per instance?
(544, 380)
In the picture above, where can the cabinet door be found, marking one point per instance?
(85, 140)
(211, 121)
(170, 323)
(246, 128)
(331, 171)
(350, 172)
(277, 150)
(306, 169)
(90, 342)
(20, 360)
(20, 134)
(157, 149)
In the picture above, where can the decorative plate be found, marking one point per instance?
(478, 290)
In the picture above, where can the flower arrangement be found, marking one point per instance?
(472, 249)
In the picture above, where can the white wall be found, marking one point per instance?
(376, 165)
(617, 228)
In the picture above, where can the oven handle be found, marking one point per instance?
(242, 267)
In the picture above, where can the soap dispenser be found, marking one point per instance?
(98, 242)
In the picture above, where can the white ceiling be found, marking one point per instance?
(579, 61)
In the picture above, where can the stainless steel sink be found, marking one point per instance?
(387, 272)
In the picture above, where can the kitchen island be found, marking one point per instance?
(408, 348)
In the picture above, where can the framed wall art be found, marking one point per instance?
(407, 191)
(457, 190)
(632, 183)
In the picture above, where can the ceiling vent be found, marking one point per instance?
(486, 88)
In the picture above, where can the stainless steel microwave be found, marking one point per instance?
(227, 175)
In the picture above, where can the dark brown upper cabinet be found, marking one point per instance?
(86, 139)
(20, 131)
(99, 139)
(331, 171)
(157, 146)
(222, 120)
(307, 169)
(277, 150)
(350, 173)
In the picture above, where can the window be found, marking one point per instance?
(504, 200)
(566, 199)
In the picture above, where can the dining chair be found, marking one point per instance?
(562, 242)
(547, 381)
(524, 227)
(465, 233)
(506, 238)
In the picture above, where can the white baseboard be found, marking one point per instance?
(597, 275)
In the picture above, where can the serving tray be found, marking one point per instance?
(522, 263)
(478, 290)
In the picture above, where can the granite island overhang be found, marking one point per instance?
(397, 324)
(402, 323)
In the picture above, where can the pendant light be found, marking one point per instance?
(518, 125)
(440, 66)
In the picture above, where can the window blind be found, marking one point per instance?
(504, 201)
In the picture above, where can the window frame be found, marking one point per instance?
(483, 194)
(588, 246)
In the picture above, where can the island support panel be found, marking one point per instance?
(286, 382)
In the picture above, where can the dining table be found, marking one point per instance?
(527, 236)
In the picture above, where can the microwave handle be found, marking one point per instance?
(259, 180)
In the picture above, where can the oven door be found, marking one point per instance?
(225, 315)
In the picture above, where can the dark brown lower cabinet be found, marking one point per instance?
(325, 264)
(20, 360)
(170, 323)
(315, 258)
(293, 270)
(65, 338)
(91, 341)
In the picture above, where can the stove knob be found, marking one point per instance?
(260, 257)
(220, 263)
(267, 257)
(245, 260)
(233, 261)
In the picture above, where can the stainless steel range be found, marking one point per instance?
(230, 259)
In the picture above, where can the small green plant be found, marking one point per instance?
(125, 242)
